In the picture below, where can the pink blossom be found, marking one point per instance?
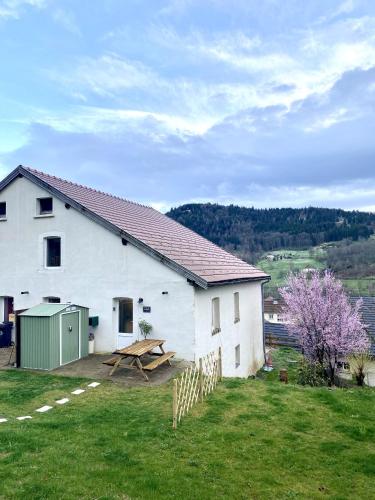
(318, 312)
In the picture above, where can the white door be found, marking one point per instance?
(124, 313)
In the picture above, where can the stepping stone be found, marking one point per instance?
(62, 401)
(24, 418)
(78, 391)
(3, 420)
(94, 384)
(44, 409)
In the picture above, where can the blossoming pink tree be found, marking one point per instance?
(318, 312)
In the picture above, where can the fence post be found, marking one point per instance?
(220, 365)
(200, 379)
(175, 404)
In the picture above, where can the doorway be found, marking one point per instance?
(69, 337)
(124, 321)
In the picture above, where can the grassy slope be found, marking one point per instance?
(250, 439)
(281, 268)
(302, 259)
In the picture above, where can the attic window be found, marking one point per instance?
(215, 315)
(45, 206)
(3, 210)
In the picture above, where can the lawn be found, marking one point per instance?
(250, 439)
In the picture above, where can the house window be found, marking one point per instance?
(237, 351)
(52, 300)
(125, 315)
(270, 316)
(53, 251)
(45, 206)
(236, 297)
(3, 210)
(215, 315)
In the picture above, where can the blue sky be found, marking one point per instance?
(264, 103)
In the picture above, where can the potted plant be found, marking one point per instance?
(145, 328)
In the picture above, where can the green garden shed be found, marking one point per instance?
(52, 335)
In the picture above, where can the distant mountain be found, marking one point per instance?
(251, 231)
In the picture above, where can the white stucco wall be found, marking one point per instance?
(96, 268)
(248, 332)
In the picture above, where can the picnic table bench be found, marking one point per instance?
(135, 352)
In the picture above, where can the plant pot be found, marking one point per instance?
(91, 346)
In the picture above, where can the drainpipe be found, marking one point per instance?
(264, 335)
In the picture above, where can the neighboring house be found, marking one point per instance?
(63, 242)
(368, 317)
(272, 310)
(276, 335)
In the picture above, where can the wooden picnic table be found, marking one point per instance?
(136, 351)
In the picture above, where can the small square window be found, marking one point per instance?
(236, 297)
(45, 206)
(3, 210)
(53, 252)
(238, 355)
(215, 315)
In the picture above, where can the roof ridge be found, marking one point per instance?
(35, 171)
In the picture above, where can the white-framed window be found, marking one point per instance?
(270, 315)
(237, 353)
(215, 315)
(125, 315)
(236, 301)
(52, 251)
(3, 210)
(44, 206)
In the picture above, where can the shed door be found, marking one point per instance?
(69, 337)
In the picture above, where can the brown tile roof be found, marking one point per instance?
(273, 306)
(158, 232)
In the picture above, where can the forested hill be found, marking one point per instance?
(252, 231)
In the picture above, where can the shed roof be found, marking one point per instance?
(45, 310)
(175, 245)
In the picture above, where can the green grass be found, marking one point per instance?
(250, 439)
(301, 259)
(360, 286)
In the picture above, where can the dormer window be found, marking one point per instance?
(45, 206)
(3, 210)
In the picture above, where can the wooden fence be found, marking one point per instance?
(195, 383)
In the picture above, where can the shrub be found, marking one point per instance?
(311, 373)
(359, 366)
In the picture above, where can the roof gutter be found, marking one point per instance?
(22, 171)
(237, 281)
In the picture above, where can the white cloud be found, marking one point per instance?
(67, 20)
(107, 74)
(14, 8)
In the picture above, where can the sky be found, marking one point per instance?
(267, 103)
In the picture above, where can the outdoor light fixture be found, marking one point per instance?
(140, 300)
(164, 293)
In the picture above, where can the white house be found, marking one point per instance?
(60, 241)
